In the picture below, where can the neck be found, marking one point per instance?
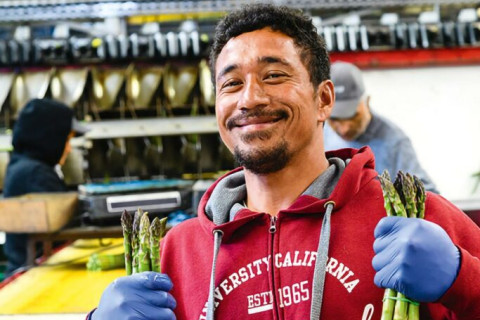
(273, 192)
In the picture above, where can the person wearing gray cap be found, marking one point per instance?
(41, 141)
(353, 124)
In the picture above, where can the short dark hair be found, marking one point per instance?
(291, 22)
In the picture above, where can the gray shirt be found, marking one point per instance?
(392, 148)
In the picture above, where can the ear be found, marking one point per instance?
(326, 99)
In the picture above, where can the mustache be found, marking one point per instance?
(256, 113)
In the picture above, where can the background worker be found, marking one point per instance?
(41, 141)
(353, 124)
(289, 234)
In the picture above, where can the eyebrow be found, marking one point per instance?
(272, 59)
(226, 70)
(261, 60)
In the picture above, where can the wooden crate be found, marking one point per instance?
(37, 212)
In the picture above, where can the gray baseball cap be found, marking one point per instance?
(349, 89)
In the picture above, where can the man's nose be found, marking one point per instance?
(253, 95)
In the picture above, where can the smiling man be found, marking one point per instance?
(289, 234)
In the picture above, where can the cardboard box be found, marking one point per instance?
(37, 212)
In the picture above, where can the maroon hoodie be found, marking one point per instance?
(264, 267)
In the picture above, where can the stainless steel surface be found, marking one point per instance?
(106, 86)
(6, 81)
(137, 128)
(151, 127)
(29, 85)
(206, 86)
(178, 83)
(71, 9)
(142, 84)
(68, 85)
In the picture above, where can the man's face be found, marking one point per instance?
(266, 107)
(351, 129)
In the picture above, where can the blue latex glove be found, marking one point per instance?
(415, 257)
(139, 296)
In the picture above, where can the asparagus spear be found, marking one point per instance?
(144, 244)
(157, 232)
(404, 188)
(398, 184)
(163, 227)
(414, 308)
(163, 230)
(135, 244)
(409, 190)
(420, 195)
(401, 307)
(155, 229)
(126, 220)
(384, 178)
(388, 303)
(414, 311)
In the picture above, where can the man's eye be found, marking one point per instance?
(274, 75)
(231, 84)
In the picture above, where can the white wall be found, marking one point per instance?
(439, 108)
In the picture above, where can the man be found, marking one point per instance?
(41, 140)
(289, 234)
(352, 124)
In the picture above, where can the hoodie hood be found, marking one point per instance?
(221, 207)
(42, 129)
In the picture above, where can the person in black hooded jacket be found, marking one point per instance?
(41, 141)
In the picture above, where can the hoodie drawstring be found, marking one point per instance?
(217, 241)
(321, 264)
(318, 273)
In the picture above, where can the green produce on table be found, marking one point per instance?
(144, 244)
(98, 262)
(157, 231)
(127, 226)
(406, 198)
(135, 245)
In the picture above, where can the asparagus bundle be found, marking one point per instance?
(405, 198)
(142, 241)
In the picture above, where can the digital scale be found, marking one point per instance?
(103, 203)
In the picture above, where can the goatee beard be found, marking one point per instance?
(260, 161)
